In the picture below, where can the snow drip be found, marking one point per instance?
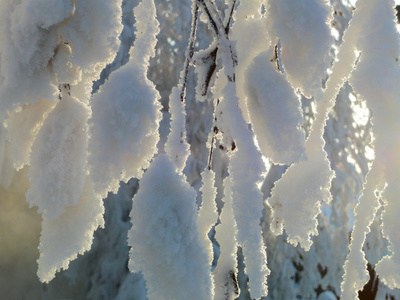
(165, 241)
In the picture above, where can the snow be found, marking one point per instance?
(29, 36)
(23, 127)
(244, 156)
(251, 37)
(375, 79)
(58, 159)
(225, 273)
(165, 241)
(177, 147)
(302, 27)
(275, 111)
(44, 42)
(126, 115)
(69, 234)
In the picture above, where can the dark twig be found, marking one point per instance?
(190, 49)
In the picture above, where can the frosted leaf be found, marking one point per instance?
(303, 30)
(22, 128)
(208, 215)
(58, 158)
(275, 112)
(165, 242)
(177, 147)
(126, 116)
(225, 273)
(70, 234)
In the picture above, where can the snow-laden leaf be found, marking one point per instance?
(58, 159)
(165, 241)
(275, 112)
(126, 113)
(70, 234)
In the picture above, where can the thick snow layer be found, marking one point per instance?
(126, 114)
(165, 241)
(275, 112)
(70, 234)
(22, 128)
(58, 159)
(305, 35)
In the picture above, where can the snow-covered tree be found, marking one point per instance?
(258, 141)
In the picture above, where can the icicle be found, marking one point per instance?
(58, 158)
(70, 234)
(126, 113)
(165, 242)
(208, 215)
(225, 273)
(22, 128)
(303, 30)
